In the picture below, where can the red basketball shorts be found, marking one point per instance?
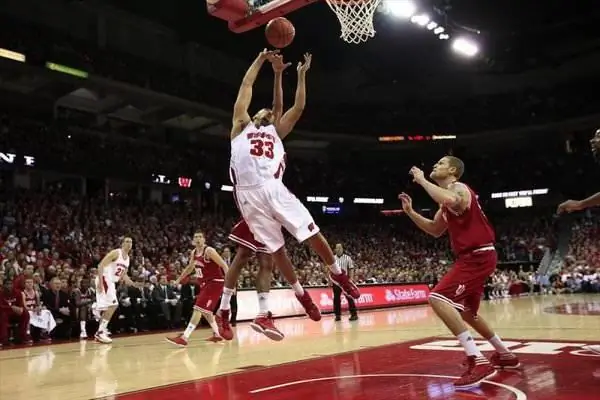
(241, 235)
(209, 295)
(462, 286)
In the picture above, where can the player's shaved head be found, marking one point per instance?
(457, 165)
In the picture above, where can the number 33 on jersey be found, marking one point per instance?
(257, 155)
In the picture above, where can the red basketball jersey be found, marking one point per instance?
(471, 229)
(206, 269)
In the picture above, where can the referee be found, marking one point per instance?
(345, 263)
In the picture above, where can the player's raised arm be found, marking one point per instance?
(213, 255)
(291, 117)
(577, 205)
(457, 196)
(434, 227)
(278, 67)
(244, 98)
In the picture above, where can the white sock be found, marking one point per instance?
(103, 325)
(82, 326)
(298, 289)
(499, 345)
(263, 303)
(335, 269)
(189, 330)
(468, 343)
(226, 298)
(213, 324)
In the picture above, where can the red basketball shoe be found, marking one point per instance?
(311, 308)
(178, 340)
(222, 319)
(264, 324)
(343, 281)
(479, 369)
(505, 361)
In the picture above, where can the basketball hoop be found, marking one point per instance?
(356, 18)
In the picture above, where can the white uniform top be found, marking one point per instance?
(115, 270)
(257, 156)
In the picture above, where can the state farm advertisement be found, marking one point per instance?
(283, 303)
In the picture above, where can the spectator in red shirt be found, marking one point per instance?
(12, 308)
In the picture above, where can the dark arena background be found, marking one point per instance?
(115, 118)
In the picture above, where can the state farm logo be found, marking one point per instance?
(325, 301)
(395, 295)
(365, 298)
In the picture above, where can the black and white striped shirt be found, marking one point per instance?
(344, 262)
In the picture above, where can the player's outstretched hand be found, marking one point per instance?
(569, 206)
(406, 202)
(277, 63)
(267, 54)
(417, 174)
(303, 67)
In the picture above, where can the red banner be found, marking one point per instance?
(374, 296)
(283, 302)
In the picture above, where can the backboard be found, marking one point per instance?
(245, 15)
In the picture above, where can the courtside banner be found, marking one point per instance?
(283, 302)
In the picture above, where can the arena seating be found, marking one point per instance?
(62, 233)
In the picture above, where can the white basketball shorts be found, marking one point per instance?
(109, 297)
(269, 207)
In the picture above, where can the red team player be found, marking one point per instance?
(210, 268)
(456, 298)
(264, 322)
(256, 167)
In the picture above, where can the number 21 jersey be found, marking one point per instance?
(257, 156)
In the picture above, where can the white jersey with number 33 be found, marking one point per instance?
(257, 156)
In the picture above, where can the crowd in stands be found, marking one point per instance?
(56, 239)
(580, 271)
(51, 242)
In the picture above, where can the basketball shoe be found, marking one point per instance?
(311, 308)
(264, 324)
(478, 370)
(178, 340)
(343, 281)
(505, 361)
(214, 338)
(222, 319)
(102, 337)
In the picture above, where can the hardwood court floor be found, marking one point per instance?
(359, 360)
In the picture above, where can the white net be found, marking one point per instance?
(356, 18)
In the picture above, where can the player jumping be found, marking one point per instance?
(209, 268)
(112, 269)
(577, 205)
(256, 168)
(242, 235)
(455, 299)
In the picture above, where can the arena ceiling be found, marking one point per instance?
(514, 35)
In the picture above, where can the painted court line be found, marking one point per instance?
(519, 395)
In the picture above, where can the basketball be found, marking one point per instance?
(280, 32)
